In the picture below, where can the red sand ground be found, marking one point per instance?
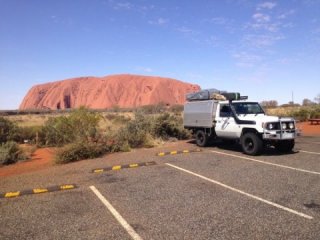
(308, 129)
(43, 157)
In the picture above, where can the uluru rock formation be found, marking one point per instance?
(99, 93)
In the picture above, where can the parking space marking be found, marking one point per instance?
(242, 192)
(118, 167)
(305, 142)
(116, 214)
(38, 191)
(309, 152)
(267, 163)
(161, 154)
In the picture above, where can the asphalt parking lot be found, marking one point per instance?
(218, 193)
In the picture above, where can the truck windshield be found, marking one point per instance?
(247, 108)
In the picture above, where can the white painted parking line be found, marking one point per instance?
(309, 152)
(267, 163)
(242, 192)
(117, 215)
(308, 142)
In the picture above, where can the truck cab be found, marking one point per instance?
(241, 120)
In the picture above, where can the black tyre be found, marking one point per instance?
(201, 138)
(285, 146)
(251, 144)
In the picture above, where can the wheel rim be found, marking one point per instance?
(200, 138)
(249, 144)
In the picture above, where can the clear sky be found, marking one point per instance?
(264, 49)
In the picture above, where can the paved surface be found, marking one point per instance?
(218, 193)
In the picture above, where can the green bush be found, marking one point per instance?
(167, 125)
(80, 125)
(302, 114)
(136, 132)
(176, 108)
(79, 151)
(153, 109)
(8, 130)
(10, 153)
(33, 134)
(116, 118)
(315, 112)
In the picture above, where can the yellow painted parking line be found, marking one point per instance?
(65, 187)
(12, 194)
(40, 190)
(116, 167)
(133, 165)
(178, 152)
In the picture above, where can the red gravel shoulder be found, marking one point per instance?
(40, 159)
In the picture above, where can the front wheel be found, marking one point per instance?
(251, 143)
(285, 146)
(201, 138)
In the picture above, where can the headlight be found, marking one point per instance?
(270, 126)
(291, 125)
(284, 126)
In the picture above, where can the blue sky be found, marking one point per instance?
(263, 49)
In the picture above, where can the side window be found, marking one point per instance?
(225, 111)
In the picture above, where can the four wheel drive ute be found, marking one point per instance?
(212, 114)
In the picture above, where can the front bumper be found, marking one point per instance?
(279, 135)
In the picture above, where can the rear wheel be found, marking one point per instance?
(251, 143)
(201, 138)
(285, 146)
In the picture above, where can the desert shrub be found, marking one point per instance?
(176, 108)
(80, 125)
(167, 125)
(136, 132)
(315, 112)
(31, 134)
(8, 130)
(116, 118)
(301, 114)
(153, 109)
(10, 153)
(79, 151)
(58, 131)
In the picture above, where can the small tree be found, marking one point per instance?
(81, 125)
(269, 104)
(307, 102)
(8, 130)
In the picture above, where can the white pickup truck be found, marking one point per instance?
(238, 119)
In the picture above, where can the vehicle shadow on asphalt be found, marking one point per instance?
(236, 147)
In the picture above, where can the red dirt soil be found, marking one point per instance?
(40, 159)
(309, 129)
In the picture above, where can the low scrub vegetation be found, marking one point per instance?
(81, 135)
(302, 113)
(10, 152)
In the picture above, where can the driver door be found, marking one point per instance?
(226, 126)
